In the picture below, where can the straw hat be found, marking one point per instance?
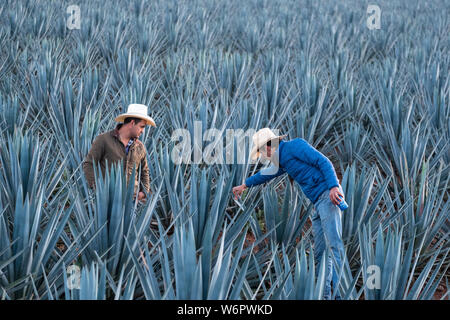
(136, 111)
(260, 138)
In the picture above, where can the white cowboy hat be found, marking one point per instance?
(260, 138)
(136, 111)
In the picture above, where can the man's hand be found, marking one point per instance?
(141, 197)
(237, 191)
(334, 195)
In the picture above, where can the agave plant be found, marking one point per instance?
(92, 283)
(31, 224)
(307, 281)
(393, 256)
(284, 223)
(362, 209)
(110, 218)
(189, 279)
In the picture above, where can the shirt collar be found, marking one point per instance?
(130, 142)
(115, 133)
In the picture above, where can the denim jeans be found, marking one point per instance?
(327, 230)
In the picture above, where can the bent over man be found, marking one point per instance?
(317, 178)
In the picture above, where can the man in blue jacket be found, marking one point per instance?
(317, 178)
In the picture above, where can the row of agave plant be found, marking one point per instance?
(375, 102)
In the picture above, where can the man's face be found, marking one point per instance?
(266, 152)
(137, 128)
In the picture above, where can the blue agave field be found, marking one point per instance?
(374, 101)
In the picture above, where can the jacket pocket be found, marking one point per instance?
(315, 179)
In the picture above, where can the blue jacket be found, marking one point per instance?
(311, 169)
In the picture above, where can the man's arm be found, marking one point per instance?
(313, 157)
(95, 154)
(145, 177)
(264, 175)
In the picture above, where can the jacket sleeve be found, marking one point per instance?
(145, 177)
(94, 155)
(313, 157)
(264, 175)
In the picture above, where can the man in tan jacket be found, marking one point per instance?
(123, 143)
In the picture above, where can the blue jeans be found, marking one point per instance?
(327, 230)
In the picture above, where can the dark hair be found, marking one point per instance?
(268, 144)
(136, 120)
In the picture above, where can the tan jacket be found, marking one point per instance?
(107, 146)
